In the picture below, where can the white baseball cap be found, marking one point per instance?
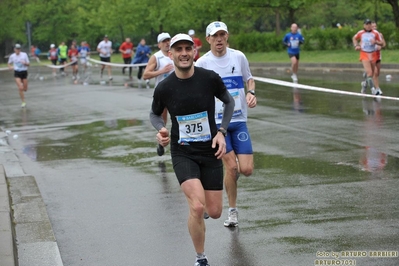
(17, 46)
(180, 37)
(191, 32)
(163, 36)
(215, 27)
(52, 45)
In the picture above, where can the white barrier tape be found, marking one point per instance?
(312, 88)
(4, 69)
(116, 65)
(60, 66)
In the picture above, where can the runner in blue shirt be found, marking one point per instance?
(292, 40)
(142, 55)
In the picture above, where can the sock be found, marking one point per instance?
(232, 209)
(370, 82)
(201, 256)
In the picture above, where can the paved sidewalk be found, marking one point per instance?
(26, 235)
(7, 248)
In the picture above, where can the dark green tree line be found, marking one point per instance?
(54, 21)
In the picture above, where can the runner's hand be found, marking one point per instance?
(163, 137)
(168, 68)
(251, 100)
(219, 139)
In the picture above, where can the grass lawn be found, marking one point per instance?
(338, 56)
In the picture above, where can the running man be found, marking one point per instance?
(378, 62)
(84, 53)
(19, 62)
(126, 49)
(62, 53)
(365, 41)
(53, 57)
(233, 67)
(292, 40)
(159, 67)
(104, 49)
(143, 53)
(35, 52)
(197, 44)
(73, 56)
(196, 143)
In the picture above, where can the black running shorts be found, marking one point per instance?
(208, 169)
(21, 74)
(292, 55)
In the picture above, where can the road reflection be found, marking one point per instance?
(238, 255)
(373, 159)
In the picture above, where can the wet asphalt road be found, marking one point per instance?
(325, 179)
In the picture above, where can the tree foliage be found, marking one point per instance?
(54, 21)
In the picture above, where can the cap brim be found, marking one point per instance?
(216, 30)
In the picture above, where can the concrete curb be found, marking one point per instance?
(28, 235)
(8, 253)
(37, 245)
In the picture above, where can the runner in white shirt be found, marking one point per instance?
(233, 67)
(159, 67)
(104, 49)
(19, 62)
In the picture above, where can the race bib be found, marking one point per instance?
(19, 64)
(128, 51)
(237, 108)
(367, 46)
(194, 128)
(294, 43)
(73, 58)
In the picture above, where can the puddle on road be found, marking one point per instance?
(123, 141)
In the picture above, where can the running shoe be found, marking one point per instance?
(374, 91)
(294, 78)
(378, 91)
(232, 220)
(160, 150)
(110, 78)
(23, 105)
(364, 86)
(202, 262)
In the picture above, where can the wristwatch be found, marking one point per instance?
(223, 131)
(252, 92)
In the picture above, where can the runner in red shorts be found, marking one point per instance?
(365, 41)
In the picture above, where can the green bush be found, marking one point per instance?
(257, 42)
(315, 39)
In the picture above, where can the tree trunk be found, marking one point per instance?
(122, 33)
(291, 15)
(278, 26)
(395, 9)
